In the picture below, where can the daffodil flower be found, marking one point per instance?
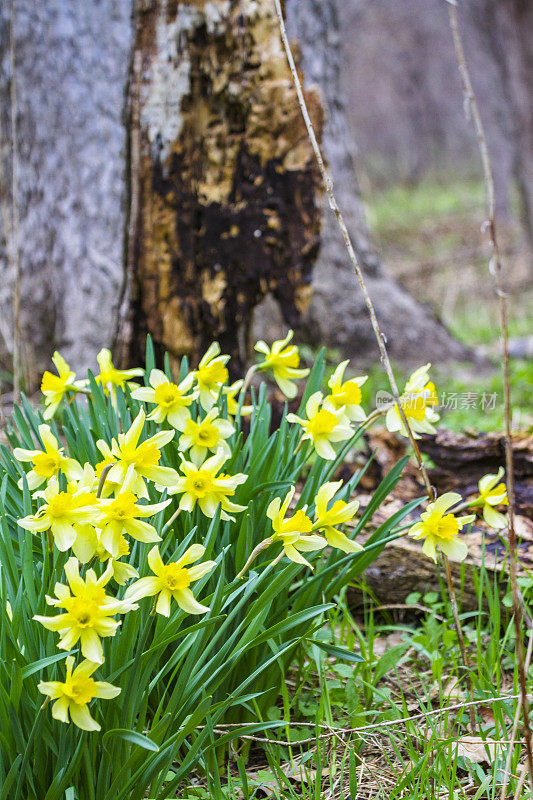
(211, 374)
(143, 457)
(48, 463)
(439, 529)
(172, 581)
(122, 513)
(346, 395)
(492, 493)
(172, 400)
(322, 426)
(60, 514)
(416, 401)
(232, 401)
(89, 611)
(283, 359)
(110, 378)
(339, 514)
(201, 484)
(72, 696)
(208, 434)
(55, 387)
(293, 533)
(122, 571)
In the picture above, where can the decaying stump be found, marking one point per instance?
(224, 209)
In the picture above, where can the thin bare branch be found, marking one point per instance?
(15, 210)
(496, 269)
(362, 729)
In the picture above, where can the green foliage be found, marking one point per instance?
(179, 676)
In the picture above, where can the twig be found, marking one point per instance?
(497, 270)
(385, 360)
(15, 211)
(124, 332)
(515, 726)
(329, 732)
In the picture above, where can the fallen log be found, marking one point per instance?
(460, 460)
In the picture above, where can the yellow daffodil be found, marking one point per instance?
(72, 696)
(346, 395)
(122, 571)
(283, 359)
(201, 484)
(232, 400)
(110, 377)
(492, 493)
(172, 400)
(143, 457)
(339, 514)
(172, 581)
(211, 374)
(439, 529)
(60, 514)
(208, 434)
(55, 387)
(48, 463)
(293, 533)
(417, 400)
(122, 514)
(88, 611)
(322, 426)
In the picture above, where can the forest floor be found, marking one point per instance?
(409, 699)
(431, 235)
(409, 693)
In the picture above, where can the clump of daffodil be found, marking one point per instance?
(293, 533)
(143, 457)
(64, 514)
(346, 396)
(171, 400)
(202, 485)
(322, 426)
(73, 695)
(110, 378)
(284, 360)
(417, 401)
(207, 434)
(172, 581)
(339, 514)
(438, 527)
(210, 376)
(48, 463)
(122, 514)
(492, 493)
(55, 387)
(88, 611)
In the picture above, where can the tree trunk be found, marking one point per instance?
(71, 66)
(338, 316)
(216, 205)
(518, 21)
(226, 205)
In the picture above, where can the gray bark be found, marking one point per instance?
(72, 59)
(516, 17)
(338, 316)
